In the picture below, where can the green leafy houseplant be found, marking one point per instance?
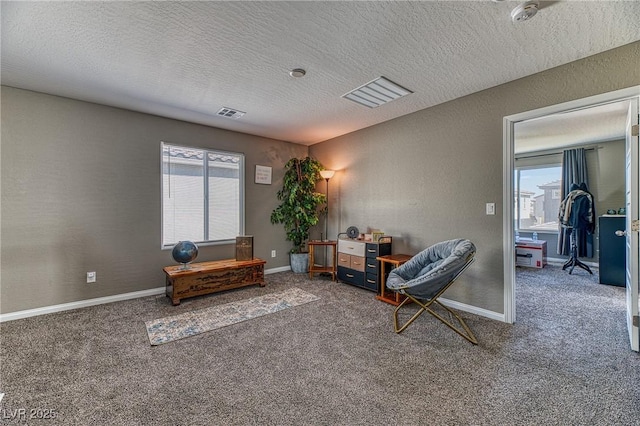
(299, 210)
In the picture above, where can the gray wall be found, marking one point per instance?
(608, 183)
(81, 192)
(426, 177)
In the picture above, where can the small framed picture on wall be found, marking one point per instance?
(263, 175)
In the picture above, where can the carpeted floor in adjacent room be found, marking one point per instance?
(335, 361)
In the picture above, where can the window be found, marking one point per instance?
(537, 197)
(202, 195)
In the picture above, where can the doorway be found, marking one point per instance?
(556, 112)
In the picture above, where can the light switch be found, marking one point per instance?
(491, 208)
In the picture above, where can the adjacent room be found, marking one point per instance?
(544, 150)
(229, 212)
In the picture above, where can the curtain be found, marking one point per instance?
(574, 169)
(574, 174)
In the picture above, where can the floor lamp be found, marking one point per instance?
(326, 174)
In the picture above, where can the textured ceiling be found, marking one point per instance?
(186, 60)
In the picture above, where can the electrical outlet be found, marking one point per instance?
(91, 277)
(491, 208)
(273, 253)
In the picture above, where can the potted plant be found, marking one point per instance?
(299, 208)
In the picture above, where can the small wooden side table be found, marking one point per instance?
(313, 268)
(394, 260)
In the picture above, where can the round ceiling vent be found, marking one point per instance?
(524, 11)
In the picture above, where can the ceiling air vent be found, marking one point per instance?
(377, 92)
(230, 113)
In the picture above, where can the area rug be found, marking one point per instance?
(189, 324)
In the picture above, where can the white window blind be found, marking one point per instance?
(202, 195)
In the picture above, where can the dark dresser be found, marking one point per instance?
(357, 264)
(612, 250)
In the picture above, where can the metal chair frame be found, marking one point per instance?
(465, 331)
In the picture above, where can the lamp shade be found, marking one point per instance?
(327, 174)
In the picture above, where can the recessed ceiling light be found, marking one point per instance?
(298, 72)
(377, 92)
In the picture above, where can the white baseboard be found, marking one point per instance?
(99, 301)
(79, 304)
(275, 270)
(160, 290)
(472, 309)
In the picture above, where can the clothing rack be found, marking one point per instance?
(573, 260)
(577, 214)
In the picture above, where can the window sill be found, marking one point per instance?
(202, 244)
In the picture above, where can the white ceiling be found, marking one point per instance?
(186, 60)
(602, 123)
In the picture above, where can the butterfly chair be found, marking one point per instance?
(427, 275)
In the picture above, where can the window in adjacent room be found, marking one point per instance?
(202, 195)
(537, 197)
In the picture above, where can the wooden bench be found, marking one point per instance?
(211, 277)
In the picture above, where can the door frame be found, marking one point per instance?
(507, 179)
(631, 237)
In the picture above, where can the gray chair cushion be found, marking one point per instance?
(426, 273)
